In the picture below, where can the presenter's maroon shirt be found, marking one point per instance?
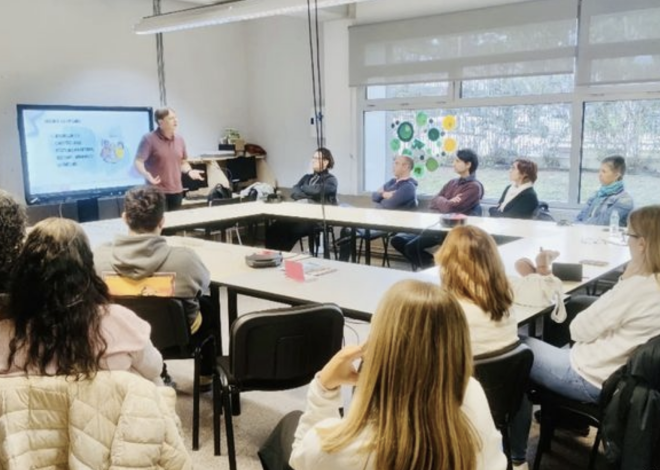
(163, 157)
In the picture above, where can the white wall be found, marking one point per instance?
(84, 52)
(280, 94)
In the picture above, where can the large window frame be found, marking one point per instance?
(581, 96)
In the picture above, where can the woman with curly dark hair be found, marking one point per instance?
(59, 319)
(12, 234)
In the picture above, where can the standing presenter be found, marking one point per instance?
(162, 157)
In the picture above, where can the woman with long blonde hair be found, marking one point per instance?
(415, 404)
(472, 270)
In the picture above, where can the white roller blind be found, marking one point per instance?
(528, 38)
(619, 42)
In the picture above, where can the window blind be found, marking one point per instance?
(530, 38)
(619, 42)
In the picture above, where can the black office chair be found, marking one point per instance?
(554, 407)
(542, 212)
(314, 240)
(633, 388)
(375, 235)
(504, 375)
(170, 334)
(273, 350)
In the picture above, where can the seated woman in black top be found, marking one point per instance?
(519, 200)
(315, 187)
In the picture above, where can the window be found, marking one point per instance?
(517, 86)
(627, 128)
(411, 90)
(499, 135)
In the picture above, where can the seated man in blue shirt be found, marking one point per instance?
(401, 191)
(398, 193)
(460, 195)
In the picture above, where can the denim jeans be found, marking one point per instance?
(552, 370)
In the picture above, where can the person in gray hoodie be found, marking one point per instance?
(144, 252)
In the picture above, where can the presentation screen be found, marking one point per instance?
(79, 152)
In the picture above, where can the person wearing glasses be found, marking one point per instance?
(519, 199)
(606, 332)
(611, 196)
(316, 187)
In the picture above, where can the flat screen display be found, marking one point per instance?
(79, 152)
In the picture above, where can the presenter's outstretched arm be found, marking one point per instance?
(139, 165)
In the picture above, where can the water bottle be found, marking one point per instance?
(614, 224)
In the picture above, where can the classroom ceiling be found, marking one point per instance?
(384, 10)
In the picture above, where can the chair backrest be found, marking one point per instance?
(284, 348)
(504, 376)
(476, 210)
(167, 317)
(160, 284)
(542, 212)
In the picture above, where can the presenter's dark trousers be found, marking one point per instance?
(173, 201)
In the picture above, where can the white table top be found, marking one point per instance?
(359, 287)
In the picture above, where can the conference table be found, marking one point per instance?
(354, 287)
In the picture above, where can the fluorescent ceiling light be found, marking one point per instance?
(227, 12)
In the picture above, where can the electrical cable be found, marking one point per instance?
(317, 93)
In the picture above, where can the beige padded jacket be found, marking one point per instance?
(116, 421)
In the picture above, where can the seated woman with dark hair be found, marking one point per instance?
(316, 187)
(611, 196)
(416, 405)
(519, 200)
(59, 319)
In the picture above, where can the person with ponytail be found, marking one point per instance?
(415, 406)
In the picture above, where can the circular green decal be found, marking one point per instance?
(433, 134)
(405, 132)
(421, 119)
(395, 145)
(418, 170)
(407, 152)
(432, 164)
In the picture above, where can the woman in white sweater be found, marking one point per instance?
(415, 403)
(472, 270)
(607, 332)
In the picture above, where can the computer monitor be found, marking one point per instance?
(241, 169)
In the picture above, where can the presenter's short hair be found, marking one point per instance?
(469, 156)
(144, 207)
(162, 113)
